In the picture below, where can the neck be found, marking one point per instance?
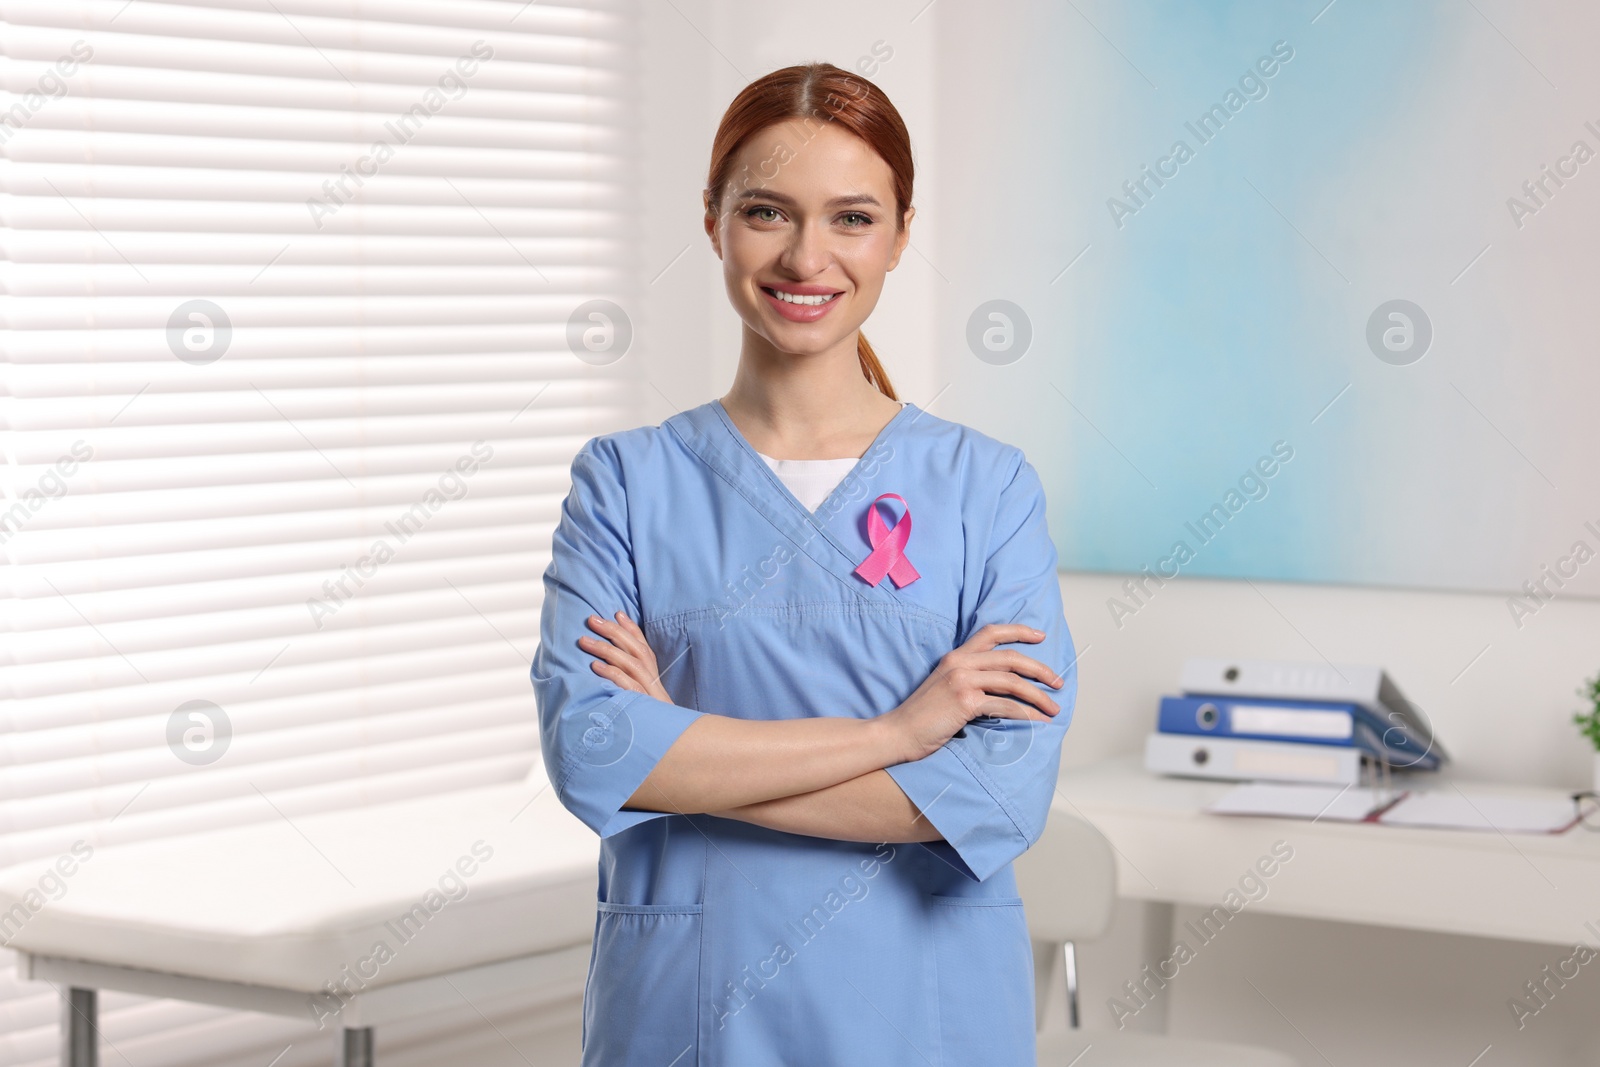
(815, 406)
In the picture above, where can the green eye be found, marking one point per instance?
(753, 210)
(865, 221)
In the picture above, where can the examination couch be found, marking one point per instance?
(348, 919)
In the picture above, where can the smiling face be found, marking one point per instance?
(804, 251)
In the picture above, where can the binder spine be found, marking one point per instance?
(1337, 725)
(1289, 681)
(1236, 760)
(1301, 722)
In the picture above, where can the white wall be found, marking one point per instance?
(976, 93)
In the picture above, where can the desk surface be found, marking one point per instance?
(1525, 887)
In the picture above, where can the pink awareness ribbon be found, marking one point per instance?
(888, 547)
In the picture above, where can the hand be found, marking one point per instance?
(971, 681)
(625, 657)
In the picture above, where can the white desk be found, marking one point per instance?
(1524, 887)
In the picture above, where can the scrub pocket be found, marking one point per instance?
(642, 1001)
(985, 965)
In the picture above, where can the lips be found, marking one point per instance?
(815, 301)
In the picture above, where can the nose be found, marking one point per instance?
(807, 253)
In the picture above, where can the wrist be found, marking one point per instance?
(888, 741)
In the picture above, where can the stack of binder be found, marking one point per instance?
(1288, 722)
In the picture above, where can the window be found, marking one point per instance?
(289, 402)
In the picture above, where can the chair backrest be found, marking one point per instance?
(1068, 881)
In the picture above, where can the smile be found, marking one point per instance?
(800, 307)
(794, 298)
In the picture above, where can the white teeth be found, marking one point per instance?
(791, 298)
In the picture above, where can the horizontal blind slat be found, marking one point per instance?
(126, 776)
(352, 790)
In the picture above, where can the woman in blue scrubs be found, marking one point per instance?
(781, 670)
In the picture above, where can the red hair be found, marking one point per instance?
(815, 93)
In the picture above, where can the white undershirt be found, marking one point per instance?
(811, 480)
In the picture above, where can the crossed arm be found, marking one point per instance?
(822, 777)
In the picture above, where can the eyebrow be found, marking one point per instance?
(780, 198)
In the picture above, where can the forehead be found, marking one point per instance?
(810, 161)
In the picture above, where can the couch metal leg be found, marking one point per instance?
(356, 1047)
(1069, 955)
(80, 1029)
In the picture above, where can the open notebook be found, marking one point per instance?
(1448, 807)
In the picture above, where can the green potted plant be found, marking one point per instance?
(1589, 721)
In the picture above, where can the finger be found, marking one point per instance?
(631, 626)
(1003, 708)
(999, 633)
(620, 622)
(1005, 683)
(618, 635)
(638, 679)
(610, 673)
(1009, 659)
(616, 657)
(635, 639)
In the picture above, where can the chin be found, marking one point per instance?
(798, 338)
(802, 348)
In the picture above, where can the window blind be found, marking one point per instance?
(294, 294)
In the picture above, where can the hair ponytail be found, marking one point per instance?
(871, 369)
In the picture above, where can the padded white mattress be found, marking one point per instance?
(360, 898)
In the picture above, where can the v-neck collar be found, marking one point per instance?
(814, 514)
(709, 433)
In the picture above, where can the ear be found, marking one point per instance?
(903, 239)
(713, 231)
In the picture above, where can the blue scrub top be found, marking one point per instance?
(723, 944)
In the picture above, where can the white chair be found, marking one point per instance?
(1068, 882)
(476, 894)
